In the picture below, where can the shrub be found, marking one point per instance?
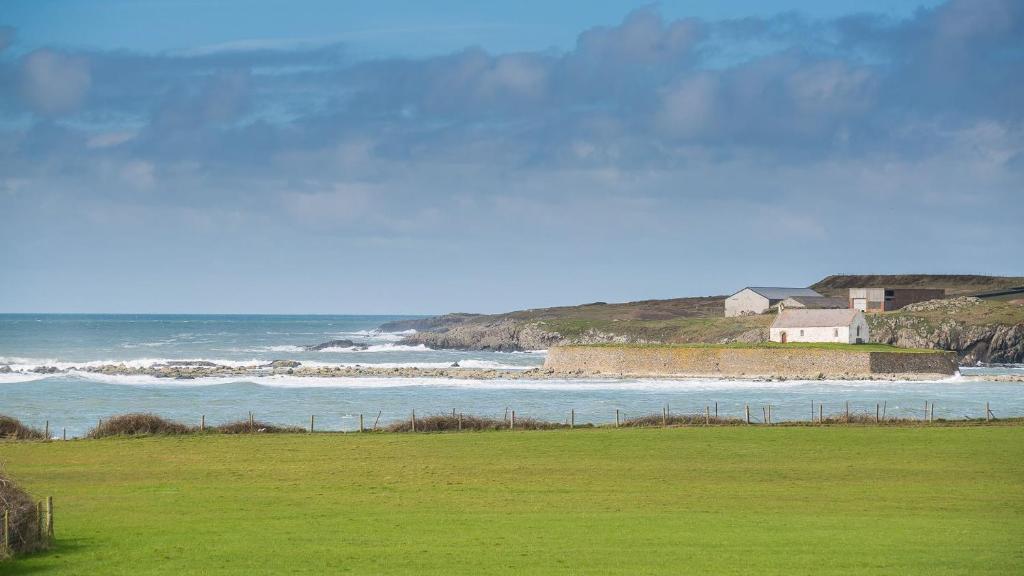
(679, 420)
(138, 424)
(25, 533)
(449, 423)
(13, 429)
(244, 427)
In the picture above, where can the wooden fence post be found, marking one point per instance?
(716, 410)
(460, 421)
(746, 412)
(878, 412)
(202, 423)
(413, 420)
(664, 416)
(821, 413)
(616, 417)
(64, 433)
(847, 411)
(39, 518)
(812, 411)
(572, 418)
(360, 422)
(925, 417)
(7, 532)
(251, 422)
(764, 415)
(379, 412)
(988, 413)
(885, 405)
(931, 412)
(311, 417)
(769, 414)
(707, 415)
(46, 434)
(49, 516)
(512, 422)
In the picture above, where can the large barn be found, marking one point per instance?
(803, 325)
(758, 299)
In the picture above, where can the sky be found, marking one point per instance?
(410, 157)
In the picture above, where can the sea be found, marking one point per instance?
(72, 402)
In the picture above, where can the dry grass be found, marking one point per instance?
(255, 427)
(13, 429)
(26, 535)
(138, 424)
(450, 423)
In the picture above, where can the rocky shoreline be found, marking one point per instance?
(184, 370)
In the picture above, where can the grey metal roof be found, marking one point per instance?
(803, 318)
(776, 293)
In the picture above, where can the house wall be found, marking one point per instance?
(877, 301)
(905, 296)
(745, 302)
(839, 334)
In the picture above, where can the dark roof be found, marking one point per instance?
(776, 293)
(820, 301)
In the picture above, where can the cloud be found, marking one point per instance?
(54, 83)
(652, 141)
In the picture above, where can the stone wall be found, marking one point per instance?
(741, 362)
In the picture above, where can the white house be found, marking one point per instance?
(830, 325)
(758, 299)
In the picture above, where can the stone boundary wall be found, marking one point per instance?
(742, 362)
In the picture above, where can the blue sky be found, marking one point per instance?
(412, 157)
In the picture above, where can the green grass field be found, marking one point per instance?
(801, 500)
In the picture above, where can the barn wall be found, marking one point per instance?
(745, 302)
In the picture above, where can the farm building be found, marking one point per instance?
(843, 326)
(813, 302)
(887, 299)
(758, 299)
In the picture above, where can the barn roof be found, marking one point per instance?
(820, 301)
(803, 318)
(777, 293)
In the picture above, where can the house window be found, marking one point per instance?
(801, 332)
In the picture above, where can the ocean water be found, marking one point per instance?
(76, 401)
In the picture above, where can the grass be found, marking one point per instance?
(787, 346)
(726, 500)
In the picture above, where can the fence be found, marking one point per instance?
(708, 415)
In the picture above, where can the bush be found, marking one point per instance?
(679, 420)
(13, 429)
(25, 532)
(449, 423)
(257, 427)
(138, 424)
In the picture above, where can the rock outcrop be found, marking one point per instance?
(986, 343)
(335, 344)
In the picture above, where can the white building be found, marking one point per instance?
(758, 299)
(802, 325)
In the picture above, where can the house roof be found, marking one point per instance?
(776, 293)
(804, 318)
(820, 301)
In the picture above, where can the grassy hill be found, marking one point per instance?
(796, 500)
(954, 284)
